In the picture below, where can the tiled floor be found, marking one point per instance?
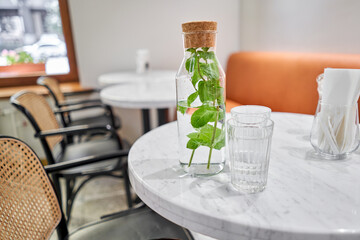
(101, 196)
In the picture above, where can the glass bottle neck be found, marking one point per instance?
(189, 51)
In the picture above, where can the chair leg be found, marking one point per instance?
(73, 195)
(69, 185)
(57, 187)
(72, 191)
(127, 185)
(70, 200)
(62, 229)
(146, 120)
(162, 116)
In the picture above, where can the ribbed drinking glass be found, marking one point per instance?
(249, 151)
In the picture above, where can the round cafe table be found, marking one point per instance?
(305, 198)
(143, 95)
(125, 77)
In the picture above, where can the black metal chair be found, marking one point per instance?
(58, 150)
(30, 208)
(65, 108)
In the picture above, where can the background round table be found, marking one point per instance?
(143, 95)
(133, 77)
(305, 198)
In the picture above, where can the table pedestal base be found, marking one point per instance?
(162, 118)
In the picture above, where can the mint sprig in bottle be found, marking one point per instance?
(200, 92)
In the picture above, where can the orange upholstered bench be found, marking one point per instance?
(285, 82)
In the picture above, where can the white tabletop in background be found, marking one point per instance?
(306, 198)
(133, 77)
(151, 94)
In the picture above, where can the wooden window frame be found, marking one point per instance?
(72, 76)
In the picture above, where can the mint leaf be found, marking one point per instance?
(220, 142)
(203, 95)
(194, 141)
(187, 64)
(207, 55)
(193, 63)
(192, 98)
(205, 49)
(210, 91)
(195, 77)
(204, 136)
(202, 142)
(202, 116)
(192, 50)
(181, 109)
(204, 92)
(192, 66)
(210, 70)
(193, 135)
(192, 144)
(206, 133)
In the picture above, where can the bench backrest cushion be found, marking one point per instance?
(285, 82)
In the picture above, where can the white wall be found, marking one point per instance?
(300, 25)
(108, 32)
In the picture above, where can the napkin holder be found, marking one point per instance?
(335, 130)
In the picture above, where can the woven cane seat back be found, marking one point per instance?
(54, 87)
(29, 208)
(41, 111)
(53, 84)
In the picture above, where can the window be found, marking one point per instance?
(35, 40)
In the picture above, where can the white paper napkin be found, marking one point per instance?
(341, 86)
(340, 93)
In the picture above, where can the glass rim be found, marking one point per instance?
(268, 123)
(233, 110)
(322, 102)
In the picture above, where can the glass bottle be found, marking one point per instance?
(200, 92)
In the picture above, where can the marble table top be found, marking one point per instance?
(305, 198)
(133, 77)
(147, 94)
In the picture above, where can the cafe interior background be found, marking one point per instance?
(108, 33)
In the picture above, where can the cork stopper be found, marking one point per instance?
(199, 34)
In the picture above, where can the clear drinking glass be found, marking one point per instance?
(249, 151)
(335, 130)
(250, 114)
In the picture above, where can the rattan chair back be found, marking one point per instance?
(29, 208)
(54, 87)
(40, 110)
(55, 91)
